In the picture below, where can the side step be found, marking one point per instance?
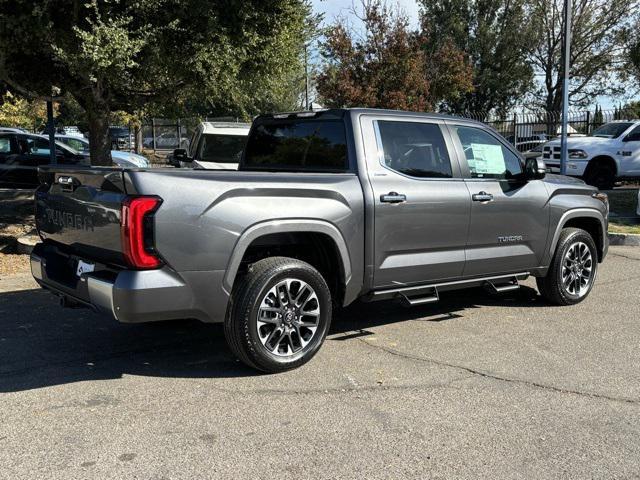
(411, 296)
(430, 296)
(511, 285)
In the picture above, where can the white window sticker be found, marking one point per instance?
(487, 159)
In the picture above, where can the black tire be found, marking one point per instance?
(244, 334)
(552, 286)
(601, 175)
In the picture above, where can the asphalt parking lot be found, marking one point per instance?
(476, 386)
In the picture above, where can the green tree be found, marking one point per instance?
(16, 111)
(233, 56)
(385, 66)
(596, 43)
(495, 38)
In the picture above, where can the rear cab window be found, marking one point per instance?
(316, 143)
(416, 149)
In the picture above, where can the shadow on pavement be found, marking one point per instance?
(42, 344)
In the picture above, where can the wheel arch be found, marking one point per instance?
(329, 250)
(587, 219)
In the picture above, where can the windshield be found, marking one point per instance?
(611, 130)
(222, 148)
(297, 144)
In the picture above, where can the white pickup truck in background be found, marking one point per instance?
(609, 154)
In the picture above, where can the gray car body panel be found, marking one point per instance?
(208, 219)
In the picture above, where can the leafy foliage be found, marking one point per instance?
(232, 57)
(495, 37)
(597, 28)
(387, 67)
(16, 111)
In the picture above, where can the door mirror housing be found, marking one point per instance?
(180, 155)
(535, 169)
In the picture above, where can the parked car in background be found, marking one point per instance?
(120, 157)
(12, 130)
(21, 154)
(121, 137)
(609, 154)
(72, 130)
(214, 145)
(534, 152)
(167, 141)
(527, 143)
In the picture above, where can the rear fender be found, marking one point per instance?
(294, 226)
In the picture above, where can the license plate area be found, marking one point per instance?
(84, 267)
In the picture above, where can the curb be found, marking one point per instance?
(624, 239)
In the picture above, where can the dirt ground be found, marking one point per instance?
(16, 220)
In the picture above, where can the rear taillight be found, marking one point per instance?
(136, 232)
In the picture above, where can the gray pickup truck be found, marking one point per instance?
(326, 208)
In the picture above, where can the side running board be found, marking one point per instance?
(424, 294)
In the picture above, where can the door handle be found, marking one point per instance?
(393, 197)
(482, 197)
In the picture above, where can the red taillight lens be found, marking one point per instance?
(136, 232)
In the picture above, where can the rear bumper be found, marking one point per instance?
(129, 296)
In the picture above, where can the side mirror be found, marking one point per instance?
(180, 155)
(535, 169)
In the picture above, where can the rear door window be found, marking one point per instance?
(297, 144)
(416, 149)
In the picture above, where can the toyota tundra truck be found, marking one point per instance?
(326, 208)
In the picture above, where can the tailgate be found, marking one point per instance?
(80, 208)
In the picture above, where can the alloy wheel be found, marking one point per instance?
(288, 317)
(577, 269)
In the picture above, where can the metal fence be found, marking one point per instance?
(525, 130)
(162, 135)
(528, 129)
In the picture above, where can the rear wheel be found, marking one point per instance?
(573, 269)
(280, 315)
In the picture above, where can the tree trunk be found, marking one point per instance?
(99, 140)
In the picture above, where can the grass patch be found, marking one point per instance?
(624, 227)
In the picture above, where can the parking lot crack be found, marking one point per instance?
(500, 378)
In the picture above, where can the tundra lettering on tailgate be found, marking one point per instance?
(68, 219)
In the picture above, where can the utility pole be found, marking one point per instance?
(564, 149)
(306, 79)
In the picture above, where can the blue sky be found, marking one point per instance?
(334, 8)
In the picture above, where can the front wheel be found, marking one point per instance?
(600, 175)
(573, 269)
(280, 315)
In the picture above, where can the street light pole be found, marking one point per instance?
(564, 149)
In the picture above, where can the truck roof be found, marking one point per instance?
(340, 112)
